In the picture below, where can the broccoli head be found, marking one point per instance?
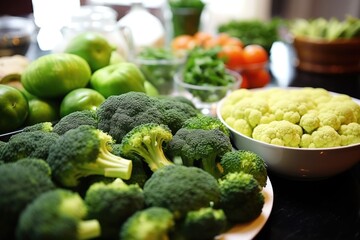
(112, 203)
(75, 119)
(245, 161)
(240, 197)
(56, 214)
(147, 141)
(203, 224)
(181, 189)
(121, 113)
(153, 223)
(200, 148)
(21, 182)
(206, 122)
(85, 151)
(34, 144)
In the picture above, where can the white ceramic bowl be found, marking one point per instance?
(299, 163)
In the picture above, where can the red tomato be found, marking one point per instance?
(257, 78)
(233, 56)
(254, 53)
(244, 81)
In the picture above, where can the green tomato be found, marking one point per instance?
(150, 89)
(14, 108)
(42, 110)
(80, 99)
(117, 79)
(54, 75)
(93, 47)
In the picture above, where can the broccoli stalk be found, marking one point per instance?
(85, 151)
(146, 141)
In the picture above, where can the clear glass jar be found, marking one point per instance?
(100, 19)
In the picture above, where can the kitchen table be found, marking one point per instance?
(304, 210)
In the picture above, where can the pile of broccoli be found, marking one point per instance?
(139, 167)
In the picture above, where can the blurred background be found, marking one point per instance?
(282, 8)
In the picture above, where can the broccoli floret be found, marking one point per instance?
(147, 141)
(57, 214)
(85, 151)
(42, 126)
(34, 144)
(240, 197)
(174, 113)
(121, 113)
(112, 203)
(245, 161)
(75, 119)
(21, 182)
(200, 148)
(181, 189)
(203, 224)
(206, 122)
(38, 163)
(154, 223)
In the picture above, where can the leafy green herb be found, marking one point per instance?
(205, 68)
(253, 31)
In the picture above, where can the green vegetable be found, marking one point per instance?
(14, 108)
(112, 204)
(200, 148)
(54, 75)
(147, 141)
(85, 151)
(117, 79)
(204, 68)
(263, 33)
(151, 223)
(159, 65)
(57, 214)
(326, 29)
(80, 99)
(33, 144)
(240, 197)
(119, 114)
(181, 189)
(206, 122)
(92, 47)
(21, 182)
(42, 126)
(245, 161)
(203, 224)
(74, 120)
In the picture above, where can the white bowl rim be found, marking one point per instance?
(218, 113)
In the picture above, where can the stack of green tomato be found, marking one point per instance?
(81, 77)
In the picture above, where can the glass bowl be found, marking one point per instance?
(206, 98)
(161, 72)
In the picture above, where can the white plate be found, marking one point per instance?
(249, 230)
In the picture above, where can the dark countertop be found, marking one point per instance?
(324, 209)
